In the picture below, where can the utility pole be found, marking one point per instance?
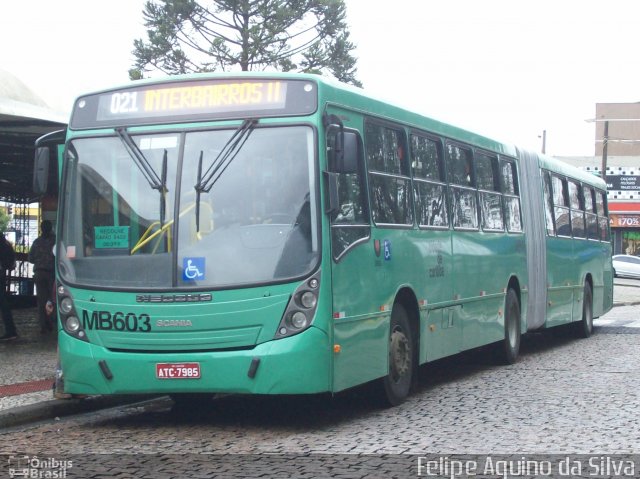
(605, 144)
(605, 138)
(544, 141)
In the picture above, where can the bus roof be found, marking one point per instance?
(360, 99)
(558, 166)
(335, 92)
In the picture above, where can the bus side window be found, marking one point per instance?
(460, 165)
(428, 188)
(577, 210)
(389, 179)
(561, 205)
(591, 215)
(511, 193)
(464, 197)
(548, 205)
(603, 219)
(350, 224)
(489, 192)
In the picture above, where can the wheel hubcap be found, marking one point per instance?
(400, 354)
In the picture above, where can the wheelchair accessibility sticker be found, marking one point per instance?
(193, 268)
(387, 250)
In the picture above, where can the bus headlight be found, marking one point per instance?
(72, 324)
(66, 305)
(68, 316)
(298, 320)
(301, 309)
(308, 299)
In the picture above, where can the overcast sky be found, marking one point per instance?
(508, 69)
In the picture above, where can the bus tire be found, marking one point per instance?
(397, 383)
(510, 345)
(584, 327)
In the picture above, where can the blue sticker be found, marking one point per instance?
(387, 250)
(193, 269)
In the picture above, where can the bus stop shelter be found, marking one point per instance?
(24, 117)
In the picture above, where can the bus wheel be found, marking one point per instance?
(584, 327)
(397, 382)
(510, 347)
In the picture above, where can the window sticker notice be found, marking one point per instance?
(111, 237)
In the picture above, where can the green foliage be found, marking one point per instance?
(4, 221)
(188, 36)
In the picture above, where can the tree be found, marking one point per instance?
(188, 36)
(4, 221)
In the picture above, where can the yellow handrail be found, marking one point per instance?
(147, 237)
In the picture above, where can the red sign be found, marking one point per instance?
(178, 370)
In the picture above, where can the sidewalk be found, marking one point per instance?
(27, 365)
(27, 368)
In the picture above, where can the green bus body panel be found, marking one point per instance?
(222, 323)
(568, 263)
(224, 336)
(362, 333)
(484, 263)
(463, 295)
(296, 365)
(562, 280)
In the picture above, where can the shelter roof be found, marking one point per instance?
(24, 117)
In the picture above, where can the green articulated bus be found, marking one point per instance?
(288, 234)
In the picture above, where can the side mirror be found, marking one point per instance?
(348, 163)
(343, 152)
(41, 170)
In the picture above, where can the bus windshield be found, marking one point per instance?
(256, 223)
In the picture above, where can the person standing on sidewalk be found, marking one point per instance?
(41, 255)
(7, 262)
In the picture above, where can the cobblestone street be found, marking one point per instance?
(564, 396)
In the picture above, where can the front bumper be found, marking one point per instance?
(299, 364)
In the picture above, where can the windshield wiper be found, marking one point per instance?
(155, 182)
(230, 150)
(140, 160)
(225, 157)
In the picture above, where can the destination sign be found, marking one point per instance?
(195, 100)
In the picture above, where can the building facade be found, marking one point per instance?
(622, 138)
(623, 177)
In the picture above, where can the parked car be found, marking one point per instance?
(626, 265)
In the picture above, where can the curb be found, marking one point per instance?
(56, 408)
(628, 303)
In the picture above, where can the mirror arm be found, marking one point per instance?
(332, 199)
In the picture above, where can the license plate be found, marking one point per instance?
(178, 370)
